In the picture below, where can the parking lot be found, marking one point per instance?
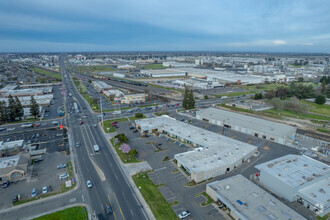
(51, 111)
(42, 173)
(165, 172)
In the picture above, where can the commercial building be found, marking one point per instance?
(14, 168)
(112, 94)
(40, 85)
(28, 92)
(8, 88)
(247, 201)
(126, 67)
(43, 100)
(134, 98)
(10, 148)
(100, 86)
(119, 75)
(214, 154)
(163, 73)
(268, 130)
(298, 178)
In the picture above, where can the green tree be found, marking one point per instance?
(320, 99)
(281, 92)
(11, 108)
(3, 112)
(323, 84)
(122, 138)
(185, 97)
(191, 100)
(328, 92)
(34, 108)
(270, 94)
(258, 96)
(19, 111)
(206, 97)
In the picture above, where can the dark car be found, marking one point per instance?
(81, 123)
(131, 128)
(38, 160)
(5, 184)
(135, 131)
(16, 198)
(108, 209)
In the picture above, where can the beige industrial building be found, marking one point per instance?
(268, 130)
(247, 201)
(163, 73)
(14, 168)
(101, 86)
(29, 92)
(213, 155)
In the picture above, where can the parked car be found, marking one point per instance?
(184, 214)
(108, 208)
(64, 176)
(114, 123)
(38, 160)
(5, 184)
(37, 135)
(135, 131)
(11, 129)
(89, 184)
(16, 198)
(34, 192)
(44, 190)
(61, 166)
(131, 128)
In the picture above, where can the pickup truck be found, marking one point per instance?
(27, 125)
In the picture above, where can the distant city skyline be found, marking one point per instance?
(300, 26)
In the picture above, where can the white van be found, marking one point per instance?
(116, 112)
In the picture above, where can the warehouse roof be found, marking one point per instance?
(250, 200)
(11, 144)
(214, 150)
(8, 88)
(162, 71)
(29, 91)
(295, 170)
(101, 85)
(246, 121)
(318, 192)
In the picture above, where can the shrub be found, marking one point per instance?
(125, 148)
(320, 99)
(138, 115)
(122, 138)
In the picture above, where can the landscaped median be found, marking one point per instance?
(62, 189)
(73, 213)
(157, 203)
(124, 151)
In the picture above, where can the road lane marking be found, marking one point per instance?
(118, 205)
(114, 214)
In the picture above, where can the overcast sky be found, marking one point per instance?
(165, 25)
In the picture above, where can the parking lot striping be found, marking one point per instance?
(73, 199)
(163, 168)
(83, 198)
(119, 205)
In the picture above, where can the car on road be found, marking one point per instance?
(135, 131)
(44, 190)
(184, 214)
(8, 139)
(77, 144)
(94, 125)
(89, 184)
(81, 123)
(37, 135)
(131, 128)
(64, 176)
(62, 165)
(29, 141)
(2, 129)
(5, 184)
(38, 160)
(108, 208)
(34, 192)
(33, 136)
(11, 129)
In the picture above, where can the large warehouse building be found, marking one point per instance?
(268, 130)
(163, 73)
(247, 201)
(100, 86)
(298, 178)
(214, 154)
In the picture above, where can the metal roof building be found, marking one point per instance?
(257, 127)
(247, 201)
(163, 73)
(298, 178)
(29, 92)
(100, 86)
(214, 154)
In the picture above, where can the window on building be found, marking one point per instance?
(255, 134)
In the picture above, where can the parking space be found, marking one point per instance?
(42, 169)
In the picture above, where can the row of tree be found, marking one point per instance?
(188, 101)
(301, 91)
(14, 110)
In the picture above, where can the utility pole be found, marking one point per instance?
(101, 111)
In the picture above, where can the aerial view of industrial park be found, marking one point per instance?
(152, 110)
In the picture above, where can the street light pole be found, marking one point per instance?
(101, 110)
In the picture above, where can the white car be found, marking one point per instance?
(89, 184)
(184, 214)
(44, 190)
(11, 129)
(64, 176)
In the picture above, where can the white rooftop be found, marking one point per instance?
(214, 150)
(251, 201)
(8, 88)
(115, 92)
(246, 121)
(101, 85)
(295, 170)
(8, 161)
(318, 192)
(11, 144)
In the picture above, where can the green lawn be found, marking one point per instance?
(162, 87)
(161, 113)
(208, 201)
(264, 87)
(91, 103)
(324, 217)
(108, 123)
(318, 109)
(232, 94)
(117, 109)
(157, 203)
(76, 82)
(126, 158)
(92, 69)
(73, 213)
(154, 66)
(56, 76)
